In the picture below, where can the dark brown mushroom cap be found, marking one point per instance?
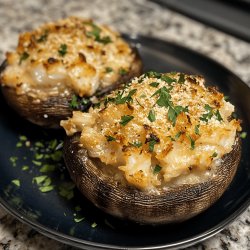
(49, 112)
(169, 205)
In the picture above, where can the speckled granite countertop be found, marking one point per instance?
(138, 16)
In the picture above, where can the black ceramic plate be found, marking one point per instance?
(56, 216)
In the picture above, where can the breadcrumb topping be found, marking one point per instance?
(70, 54)
(159, 128)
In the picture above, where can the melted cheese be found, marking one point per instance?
(70, 54)
(159, 130)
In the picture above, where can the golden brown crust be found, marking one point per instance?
(49, 112)
(170, 205)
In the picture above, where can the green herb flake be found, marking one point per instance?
(123, 72)
(39, 179)
(143, 96)
(47, 168)
(154, 84)
(196, 129)
(77, 220)
(13, 160)
(22, 138)
(43, 37)
(226, 98)
(37, 163)
(23, 57)
(19, 144)
(74, 102)
(38, 156)
(192, 142)
(152, 140)
(62, 51)
(218, 115)
(121, 100)
(207, 107)
(214, 155)
(39, 144)
(45, 189)
(16, 182)
(53, 144)
(110, 138)
(66, 190)
(243, 135)
(151, 115)
(108, 70)
(125, 119)
(94, 224)
(25, 168)
(78, 208)
(167, 79)
(157, 169)
(136, 144)
(181, 78)
(176, 137)
(104, 39)
(153, 74)
(95, 33)
(56, 156)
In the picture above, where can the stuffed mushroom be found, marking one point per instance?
(60, 65)
(162, 149)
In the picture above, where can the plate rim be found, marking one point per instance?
(87, 244)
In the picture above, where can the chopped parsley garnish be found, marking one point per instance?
(218, 115)
(167, 79)
(43, 37)
(110, 138)
(173, 112)
(181, 78)
(177, 135)
(39, 179)
(108, 69)
(104, 40)
(164, 101)
(226, 98)
(152, 140)
(192, 142)
(63, 50)
(16, 182)
(121, 100)
(152, 74)
(23, 57)
(78, 103)
(210, 112)
(196, 129)
(94, 224)
(23, 138)
(243, 135)
(96, 34)
(154, 84)
(123, 72)
(66, 190)
(77, 220)
(46, 189)
(47, 168)
(136, 144)
(25, 168)
(151, 115)
(157, 169)
(125, 119)
(214, 155)
(13, 160)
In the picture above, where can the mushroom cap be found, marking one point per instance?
(167, 205)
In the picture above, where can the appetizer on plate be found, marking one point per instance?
(58, 66)
(159, 150)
